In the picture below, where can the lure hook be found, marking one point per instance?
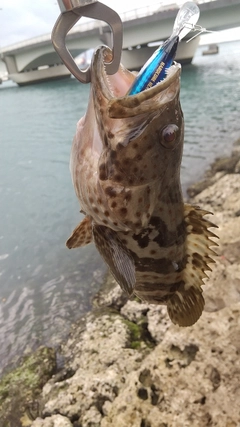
(200, 30)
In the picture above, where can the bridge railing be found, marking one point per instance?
(155, 7)
(92, 24)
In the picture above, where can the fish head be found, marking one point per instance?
(131, 146)
(142, 134)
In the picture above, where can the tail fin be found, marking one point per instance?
(186, 306)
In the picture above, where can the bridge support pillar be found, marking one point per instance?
(135, 58)
(10, 64)
(106, 37)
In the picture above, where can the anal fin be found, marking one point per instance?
(81, 235)
(116, 255)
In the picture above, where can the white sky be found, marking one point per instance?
(23, 19)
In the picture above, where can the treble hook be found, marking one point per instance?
(71, 12)
(198, 28)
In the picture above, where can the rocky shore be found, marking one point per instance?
(126, 365)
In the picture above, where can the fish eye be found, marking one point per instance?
(169, 135)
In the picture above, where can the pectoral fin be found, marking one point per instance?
(81, 235)
(116, 256)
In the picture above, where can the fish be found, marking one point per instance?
(125, 165)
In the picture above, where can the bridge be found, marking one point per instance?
(35, 59)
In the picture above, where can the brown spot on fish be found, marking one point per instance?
(119, 146)
(110, 135)
(110, 192)
(155, 289)
(102, 172)
(113, 205)
(105, 140)
(142, 239)
(128, 196)
(124, 241)
(117, 178)
(175, 286)
(123, 211)
(113, 156)
(160, 265)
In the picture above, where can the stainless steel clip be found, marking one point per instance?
(71, 12)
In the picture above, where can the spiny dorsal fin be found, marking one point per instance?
(186, 305)
(81, 235)
(116, 256)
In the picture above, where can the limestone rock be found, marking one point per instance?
(158, 322)
(134, 310)
(226, 164)
(192, 378)
(105, 353)
(110, 295)
(53, 421)
(20, 389)
(198, 187)
(214, 197)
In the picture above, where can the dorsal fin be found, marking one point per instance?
(186, 305)
(116, 256)
(81, 235)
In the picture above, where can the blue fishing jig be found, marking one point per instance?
(155, 69)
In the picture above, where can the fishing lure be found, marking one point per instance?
(155, 69)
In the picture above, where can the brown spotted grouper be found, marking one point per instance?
(125, 166)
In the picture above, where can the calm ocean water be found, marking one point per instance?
(44, 287)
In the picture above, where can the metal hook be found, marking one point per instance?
(198, 28)
(72, 11)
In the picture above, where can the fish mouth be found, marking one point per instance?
(114, 88)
